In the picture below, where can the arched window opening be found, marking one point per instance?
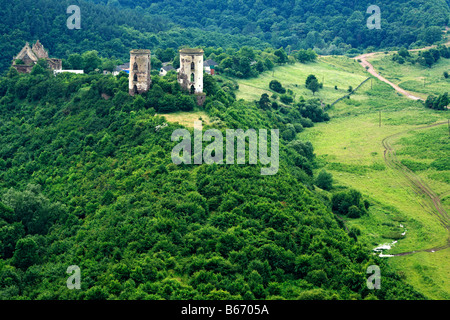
(192, 65)
(192, 77)
(135, 78)
(135, 66)
(192, 89)
(136, 89)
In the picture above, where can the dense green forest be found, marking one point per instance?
(86, 179)
(114, 27)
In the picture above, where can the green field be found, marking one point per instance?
(350, 147)
(187, 119)
(331, 71)
(414, 77)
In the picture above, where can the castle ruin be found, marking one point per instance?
(190, 74)
(28, 57)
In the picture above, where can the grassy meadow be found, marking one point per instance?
(414, 77)
(187, 119)
(331, 71)
(350, 147)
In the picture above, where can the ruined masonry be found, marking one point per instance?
(28, 57)
(190, 74)
(140, 68)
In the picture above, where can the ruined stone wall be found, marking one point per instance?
(140, 68)
(23, 68)
(54, 64)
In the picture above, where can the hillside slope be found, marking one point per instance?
(89, 182)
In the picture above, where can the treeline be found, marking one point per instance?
(426, 58)
(334, 27)
(111, 31)
(113, 27)
(441, 102)
(86, 179)
(246, 62)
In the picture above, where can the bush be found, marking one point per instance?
(276, 86)
(286, 99)
(26, 253)
(289, 133)
(324, 180)
(348, 203)
(298, 127)
(354, 212)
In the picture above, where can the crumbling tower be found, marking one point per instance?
(140, 67)
(190, 75)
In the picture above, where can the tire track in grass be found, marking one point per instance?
(433, 203)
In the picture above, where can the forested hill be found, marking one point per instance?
(113, 27)
(89, 181)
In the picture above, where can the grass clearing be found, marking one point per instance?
(187, 118)
(427, 271)
(293, 77)
(414, 77)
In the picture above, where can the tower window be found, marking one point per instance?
(135, 78)
(192, 77)
(192, 65)
(135, 66)
(192, 89)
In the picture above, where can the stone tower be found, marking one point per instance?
(190, 76)
(140, 67)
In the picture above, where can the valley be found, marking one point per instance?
(410, 207)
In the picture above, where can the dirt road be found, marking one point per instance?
(362, 59)
(369, 67)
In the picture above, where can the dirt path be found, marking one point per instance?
(433, 203)
(369, 67)
(362, 59)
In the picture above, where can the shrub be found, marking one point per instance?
(348, 203)
(324, 180)
(286, 99)
(26, 253)
(354, 212)
(276, 86)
